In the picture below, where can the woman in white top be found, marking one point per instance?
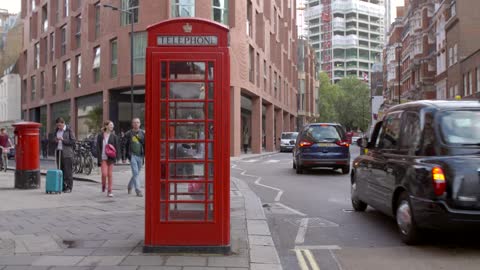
(106, 163)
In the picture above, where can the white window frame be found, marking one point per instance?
(177, 6)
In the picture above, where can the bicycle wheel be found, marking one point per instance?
(88, 165)
(76, 164)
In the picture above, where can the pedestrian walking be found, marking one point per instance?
(65, 140)
(135, 147)
(246, 140)
(5, 143)
(44, 146)
(107, 145)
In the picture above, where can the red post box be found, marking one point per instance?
(27, 155)
(187, 175)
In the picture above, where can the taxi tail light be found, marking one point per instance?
(304, 143)
(343, 143)
(438, 178)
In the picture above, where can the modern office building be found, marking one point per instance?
(76, 62)
(347, 35)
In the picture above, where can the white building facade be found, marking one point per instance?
(347, 35)
(10, 102)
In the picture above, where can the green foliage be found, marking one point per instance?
(347, 102)
(94, 119)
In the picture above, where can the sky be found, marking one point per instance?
(13, 6)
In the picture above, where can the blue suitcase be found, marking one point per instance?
(54, 182)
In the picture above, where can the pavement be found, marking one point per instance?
(85, 230)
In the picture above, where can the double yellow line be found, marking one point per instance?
(306, 260)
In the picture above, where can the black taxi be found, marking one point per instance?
(422, 167)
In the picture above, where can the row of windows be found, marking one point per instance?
(468, 82)
(140, 43)
(186, 8)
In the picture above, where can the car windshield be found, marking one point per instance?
(289, 136)
(322, 133)
(460, 127)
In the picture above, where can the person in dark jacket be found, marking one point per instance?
(105, 162)
(64, 140)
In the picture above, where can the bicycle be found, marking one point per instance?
(83, 159)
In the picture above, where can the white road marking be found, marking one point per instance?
(301, 260)
(302, 230)
(311, 259)
(291, 209)
(250, 160)
(272, 161)
(257, 182)
(325, 247)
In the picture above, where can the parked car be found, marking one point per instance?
(422, 167)
(287, 141)
(322, 145)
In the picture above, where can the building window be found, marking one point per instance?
(57, 10)
(220, 11)
(478, 79)
(96, 64)
(97, 20)
(24, 91)
(78, 30)
(36, 62)
(465, 85)
(249, 18)
(63, 34)
(251, 70)
(275, 86)
(44, 18)
(52, 45)
(32, 97)
(470, 83)
(44, 51)
(132, 6)
(66, 75)
(258, 70)
(54, 80)
(265, 75)
(42, 84)
(183, 8)
(139, 47)
(453, 9)
(455, 54)
(114, 57)
(450, 56)
(66, 8)
(78, 77)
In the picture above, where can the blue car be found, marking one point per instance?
(322, 145)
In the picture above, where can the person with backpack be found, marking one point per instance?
(135, 150)
(107, 145)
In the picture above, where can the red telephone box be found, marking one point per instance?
(188, 137)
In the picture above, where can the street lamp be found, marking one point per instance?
(131, 13)
(399, 55)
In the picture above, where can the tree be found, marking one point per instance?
(328, 97)
(94, 119)
(354, 106)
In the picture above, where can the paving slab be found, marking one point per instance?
(144, 260)
(264, 254)
(228, 261)
(18, 260)
(186, 261)
(261, 266)
(101, 260)
(58, 260)
(258, 227)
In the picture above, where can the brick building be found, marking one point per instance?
(308, 84)
(439, 49)
(75, 62)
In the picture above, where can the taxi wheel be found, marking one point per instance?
(406, 224)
